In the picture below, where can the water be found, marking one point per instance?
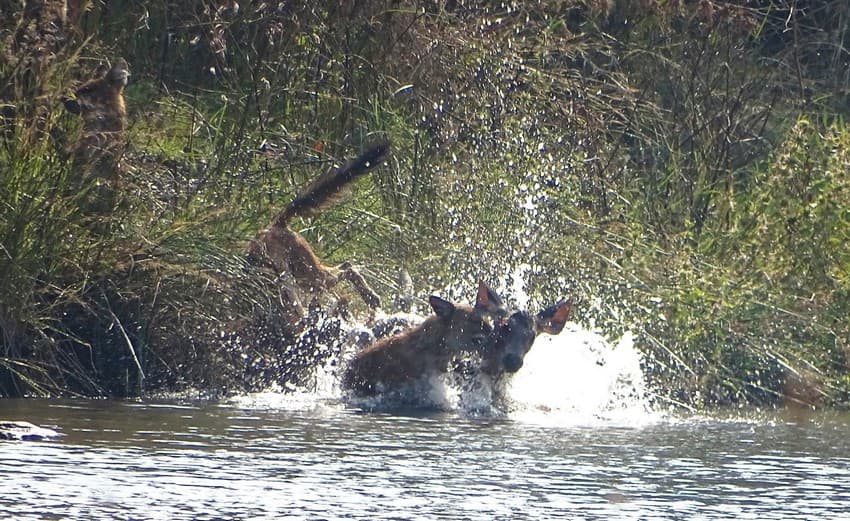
(580, 442)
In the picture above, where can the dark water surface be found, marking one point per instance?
(321, 460)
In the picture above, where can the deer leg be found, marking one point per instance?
(347, 272)
(291, 307)
(340, 309)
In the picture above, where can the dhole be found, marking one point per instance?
(426, 349)
(300, 271)
(100, 102)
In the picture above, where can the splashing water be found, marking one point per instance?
(574, 378)
(577, 377)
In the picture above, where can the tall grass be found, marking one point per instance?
(641, 158)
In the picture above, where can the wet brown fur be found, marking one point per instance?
(426, 349)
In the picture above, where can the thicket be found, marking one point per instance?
(680, 169)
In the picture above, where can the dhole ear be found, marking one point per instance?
(443, 308)
(119, 73)
(101, 70)
(488, 302)
(552, 319)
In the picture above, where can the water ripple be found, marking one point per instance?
(213, 461)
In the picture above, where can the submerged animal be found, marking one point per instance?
(21, 430)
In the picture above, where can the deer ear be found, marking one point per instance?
(488, 301)
(443, 308)
(552, 319)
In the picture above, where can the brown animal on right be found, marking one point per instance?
(424, 350)
(302, 276)
(100, 102)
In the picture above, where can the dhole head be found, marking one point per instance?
(515, 336)
(469, 328)
(101, 97)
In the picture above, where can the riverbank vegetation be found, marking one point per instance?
(680, 169)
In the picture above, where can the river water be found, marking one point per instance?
(578, 442)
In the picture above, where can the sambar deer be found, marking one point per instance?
(426, 349)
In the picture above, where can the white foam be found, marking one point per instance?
(577, 377)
